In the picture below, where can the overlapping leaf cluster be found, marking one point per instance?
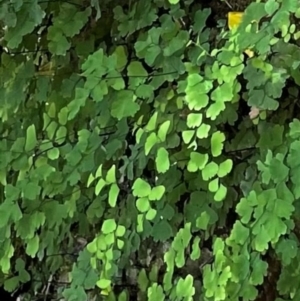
(126, 126)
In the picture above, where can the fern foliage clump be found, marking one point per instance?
(149, 151)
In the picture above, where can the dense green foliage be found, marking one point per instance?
(130, 168)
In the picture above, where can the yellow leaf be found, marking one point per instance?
(249, 52)
(234, 19)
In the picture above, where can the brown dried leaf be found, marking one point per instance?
(254, 112)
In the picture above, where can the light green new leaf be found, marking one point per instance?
(209, 171)
(111, 175)
(113, 195)
(120, 231)
(196, 251)
(217, 141)
(31, 140)
(184, 287)
(109, 240)
(99, 172)
(150, 142)
(156, 292)
(103, 283)
(194, 120)
(213, 185)
(220, 194)
(99, 243)
(203, 131)
(162, 160)
(223, 93)
(140, 223)
(163, 130)
(157, 193)
(196, 92)
(197, 161)
(151, 125)
(143, 204)
(141, 188)
(225, 168)
(120, 244)
(139, 134)
(194, 79)
(187, 136)
(101, 183)
(109, 226)
(192, 166)
(215, 109)
(151, 214)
